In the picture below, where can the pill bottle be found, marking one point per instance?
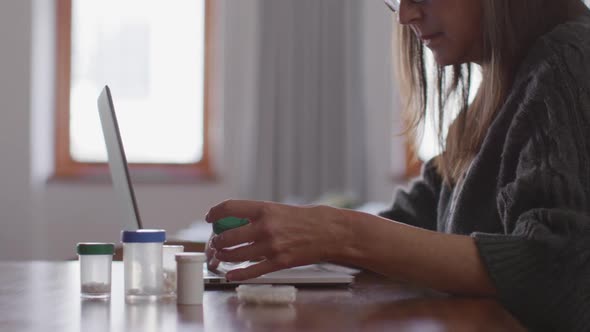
(95, 269)
(189, 274)
(169, 268)
(142, 261)
(226, 224)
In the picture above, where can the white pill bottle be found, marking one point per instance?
(189, 276)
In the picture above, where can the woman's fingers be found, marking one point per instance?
(212, 262)
(246, 253)
(234, 237)
(250, 210)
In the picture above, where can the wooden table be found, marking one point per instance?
(44, 296)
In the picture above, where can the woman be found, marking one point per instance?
(504, 210)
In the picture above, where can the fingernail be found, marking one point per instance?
(207, 217)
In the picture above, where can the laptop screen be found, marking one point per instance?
(117, 161)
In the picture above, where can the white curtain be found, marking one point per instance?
(308, 126)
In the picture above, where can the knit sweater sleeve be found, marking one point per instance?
(417, 205)
(541, 264)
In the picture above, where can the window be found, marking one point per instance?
(156, 58)
(428, 146)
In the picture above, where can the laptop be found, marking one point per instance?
(316, 274)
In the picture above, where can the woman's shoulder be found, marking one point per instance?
(564, 47)
(559, 61)
(552, 89)
(571, 33)
(564, 51)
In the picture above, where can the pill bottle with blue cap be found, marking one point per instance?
(142, 260)
(95, 269)
(226, 224)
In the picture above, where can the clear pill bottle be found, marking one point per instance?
(95, 269)
(169, 266)
(226, 224)
(190, 278)
(142, 261)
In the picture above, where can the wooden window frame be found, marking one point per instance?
(68, 169)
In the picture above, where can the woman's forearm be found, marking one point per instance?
(445, 262)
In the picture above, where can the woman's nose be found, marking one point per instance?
(409, 12)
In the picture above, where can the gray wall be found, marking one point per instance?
(43, 220)
(15, 103)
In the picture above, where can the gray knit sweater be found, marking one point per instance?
(526, 197)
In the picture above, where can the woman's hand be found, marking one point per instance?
(285, 235)
(212, 262)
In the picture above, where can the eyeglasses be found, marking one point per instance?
(394, 4)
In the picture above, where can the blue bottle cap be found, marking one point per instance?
(143, 236)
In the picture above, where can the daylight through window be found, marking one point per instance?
(151, 53)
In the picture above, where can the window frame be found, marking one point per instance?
(68, 169)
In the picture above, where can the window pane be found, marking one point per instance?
(428, 147)
(151, 54)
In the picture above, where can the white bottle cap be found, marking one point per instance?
(197, 257)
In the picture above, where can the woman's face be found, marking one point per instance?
(451, 29)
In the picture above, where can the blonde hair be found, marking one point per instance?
(510, 27)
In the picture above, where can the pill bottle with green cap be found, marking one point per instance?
(95, 269)
(226, 224)
(142, 262)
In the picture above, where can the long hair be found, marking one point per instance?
(510, 28)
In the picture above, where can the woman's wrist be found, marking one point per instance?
(365, 240)
(342, 237)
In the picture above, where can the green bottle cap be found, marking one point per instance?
(92, 248)
(228, 223)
